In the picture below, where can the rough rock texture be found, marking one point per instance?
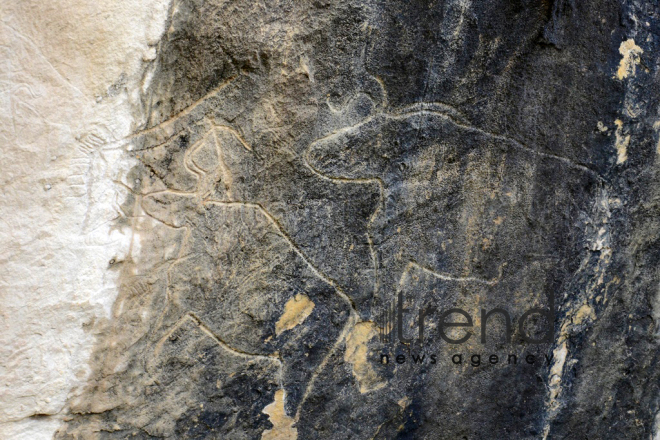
(297, 167)
(70, 75)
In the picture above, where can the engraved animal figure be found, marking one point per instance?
(239, 274)
(456, 200)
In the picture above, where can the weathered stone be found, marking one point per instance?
(309, 189)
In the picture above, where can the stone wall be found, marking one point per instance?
(237, 220)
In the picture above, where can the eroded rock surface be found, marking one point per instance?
(304, 172)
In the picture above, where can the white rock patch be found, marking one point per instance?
(68, 69)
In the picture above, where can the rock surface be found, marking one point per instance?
(272, 196)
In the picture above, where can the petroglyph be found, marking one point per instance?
(301, 165)
(420, 156)
(231, 246)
